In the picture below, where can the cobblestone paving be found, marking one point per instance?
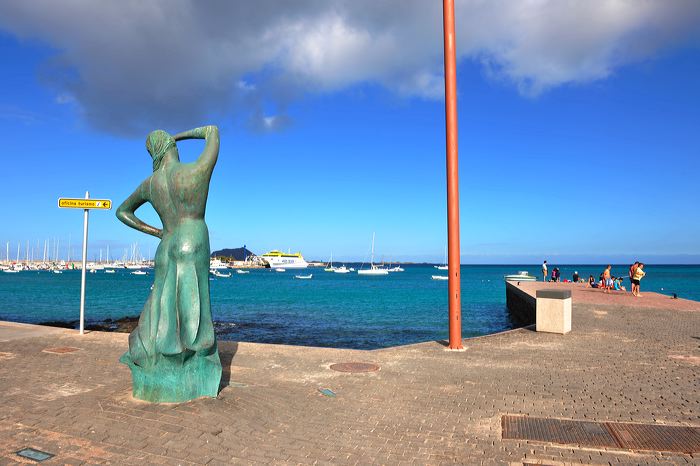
(425, 406)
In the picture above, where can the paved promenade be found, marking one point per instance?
(425, 405)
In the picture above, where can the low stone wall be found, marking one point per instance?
(520, 304)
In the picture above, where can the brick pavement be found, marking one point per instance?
(425, 406)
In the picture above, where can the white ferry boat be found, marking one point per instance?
(277, 259)
(217, 264)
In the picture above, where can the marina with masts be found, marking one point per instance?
(47, 257)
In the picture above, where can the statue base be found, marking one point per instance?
(175, 379)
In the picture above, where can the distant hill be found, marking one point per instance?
(236, 254)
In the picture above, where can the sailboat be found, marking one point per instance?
(444, 266)
(329, 267)
(397, 268)
(374, 269)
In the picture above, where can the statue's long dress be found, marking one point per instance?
(174, 346)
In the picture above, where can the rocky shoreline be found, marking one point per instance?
(123, 325)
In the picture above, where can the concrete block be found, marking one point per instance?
(553, 311)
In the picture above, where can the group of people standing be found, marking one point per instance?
(606, 281)
(636, 274)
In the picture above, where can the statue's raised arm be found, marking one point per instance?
(210, 154)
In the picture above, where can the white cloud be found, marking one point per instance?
(132, 65)
(64, 98)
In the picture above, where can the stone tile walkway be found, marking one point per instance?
(425, 405)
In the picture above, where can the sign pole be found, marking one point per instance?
(455, 321)
(85, 204)
(82, 278)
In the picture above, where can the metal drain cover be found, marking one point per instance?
(61, 350)
(34, 455)
(625, 435)
(355, 367)
(557, 431)
(657, 437)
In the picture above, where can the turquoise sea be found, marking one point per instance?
(335, 310)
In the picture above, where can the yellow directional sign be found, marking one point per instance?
(71, 203)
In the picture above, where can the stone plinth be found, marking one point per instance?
(553, 312)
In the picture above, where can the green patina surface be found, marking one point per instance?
(177, 378)
(172, 353)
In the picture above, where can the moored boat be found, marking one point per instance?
(373, 269)
(217, 264)
(276, 259)
(521, 276)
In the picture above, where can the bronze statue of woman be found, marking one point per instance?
(172, 353)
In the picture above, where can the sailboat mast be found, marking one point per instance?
(372, 256)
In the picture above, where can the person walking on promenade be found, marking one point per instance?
(607, 279)
(633, 268)
(544, 271)
(638, 275)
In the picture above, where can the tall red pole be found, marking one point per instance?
(448, 12)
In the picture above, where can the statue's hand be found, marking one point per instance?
(206, 131)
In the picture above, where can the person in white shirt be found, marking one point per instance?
(544, 271)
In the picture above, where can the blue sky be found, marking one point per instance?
(588, 166)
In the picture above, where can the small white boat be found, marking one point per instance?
(396, 269)
(440, 277)
(218, 274)
(92, 270)
(109, 271)
(57, 271)
(444, 264)
(304, 277)
(139, 272)
(279, 269)
(242, 271)
(373, 269)
(521, 276)
(329, 266)
(10, 271)
(351, 269)
(342, 269)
